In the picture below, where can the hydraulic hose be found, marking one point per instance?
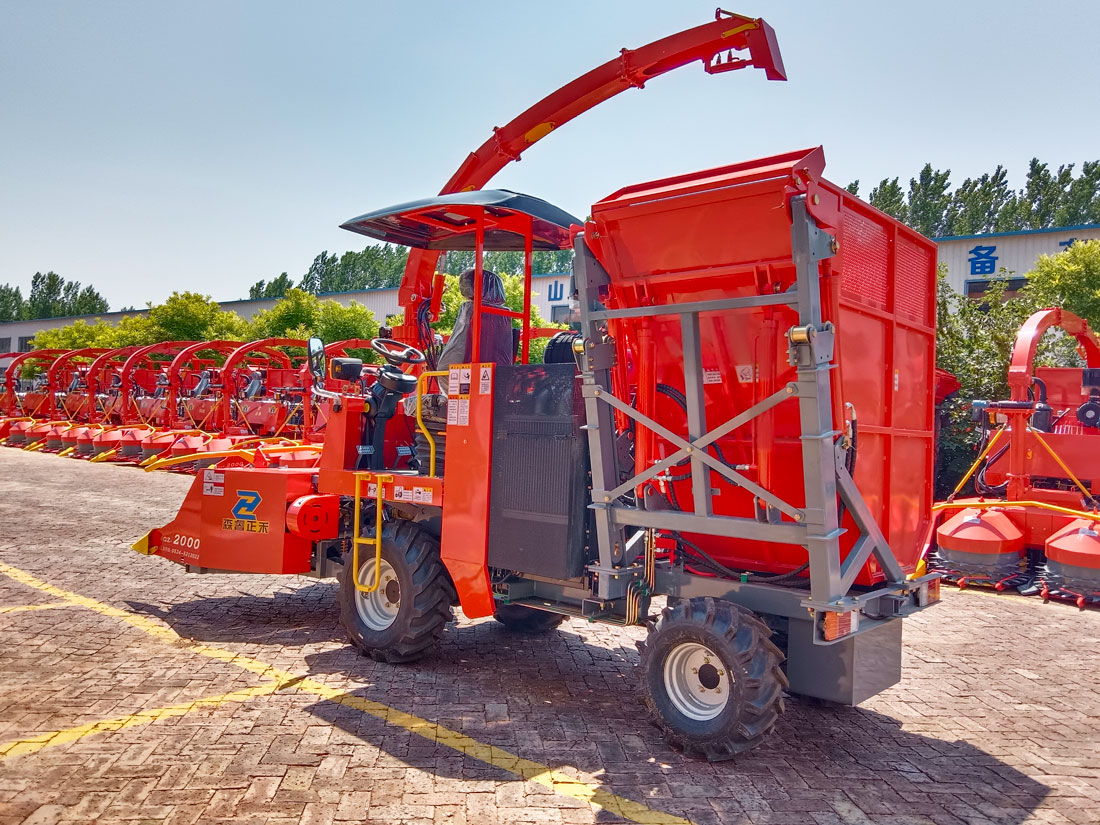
(708, 562)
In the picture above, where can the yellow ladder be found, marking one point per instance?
(376, 541)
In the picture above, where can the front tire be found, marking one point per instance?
(711, 677)
(401, 620)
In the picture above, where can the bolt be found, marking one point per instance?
(721, 673)
(607, 498)
(702, 689)
(695, 670)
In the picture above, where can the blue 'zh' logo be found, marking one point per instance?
(247, 502)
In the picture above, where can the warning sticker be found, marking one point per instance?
(452, 410)
(745, 373)
(485, 382)
(212, 490)
(422, 495)
(372, 491)
(213, 477)
(712, 377)
(463, 412)
(452, 382)
(402, 494)
(464, 381)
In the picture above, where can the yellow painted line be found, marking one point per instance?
(50, 739)
(26, 607)
(556, 780)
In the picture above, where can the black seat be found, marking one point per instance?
(203, 385)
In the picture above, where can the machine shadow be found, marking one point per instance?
(288, 617)
(568, 700)
(567, 703)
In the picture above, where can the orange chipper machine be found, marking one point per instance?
(697, 439)
(1035, 523)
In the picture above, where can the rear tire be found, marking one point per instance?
(711, 677)
(522, 619)
(402, 620)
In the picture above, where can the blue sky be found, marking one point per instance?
(146, 147)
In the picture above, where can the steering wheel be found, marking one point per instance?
(395, 352)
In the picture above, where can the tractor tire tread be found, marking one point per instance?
(744, 645)
(431, 592)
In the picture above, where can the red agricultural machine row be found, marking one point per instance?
(1035, 522)
(695, 440)
(176, 404)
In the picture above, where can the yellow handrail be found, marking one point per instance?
(985, 505)
(424, 376)
(249, 455)
(1061, 464)
(376, 541)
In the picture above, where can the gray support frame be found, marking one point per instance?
(814, 526)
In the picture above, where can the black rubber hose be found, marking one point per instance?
(717, 567)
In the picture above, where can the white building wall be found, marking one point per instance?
(981, 257)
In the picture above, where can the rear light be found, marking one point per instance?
(837, 625)
(930, 592)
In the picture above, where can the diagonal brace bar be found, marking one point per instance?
(699, 447)
(875, 542)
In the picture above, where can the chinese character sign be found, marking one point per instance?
(982, 260)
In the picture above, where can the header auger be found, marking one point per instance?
(175, 404)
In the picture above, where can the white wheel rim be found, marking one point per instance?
(696, 681)
(378, 610)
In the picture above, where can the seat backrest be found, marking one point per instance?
(202, 386)
(255, 386)
(496, 330)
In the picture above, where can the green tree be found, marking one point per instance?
(275, 288)
(889, 197)
(1081, 200)
(1070, 279)
(336, 322)
(293, 315)
(973, 342)
(929, 200)
(188, 316)
(853, 188)
(322, 272)
(78, 335)
(977, 202)
(51, 296)
(543, 262)
(11, 303)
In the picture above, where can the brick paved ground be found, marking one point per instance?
(997, 718)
